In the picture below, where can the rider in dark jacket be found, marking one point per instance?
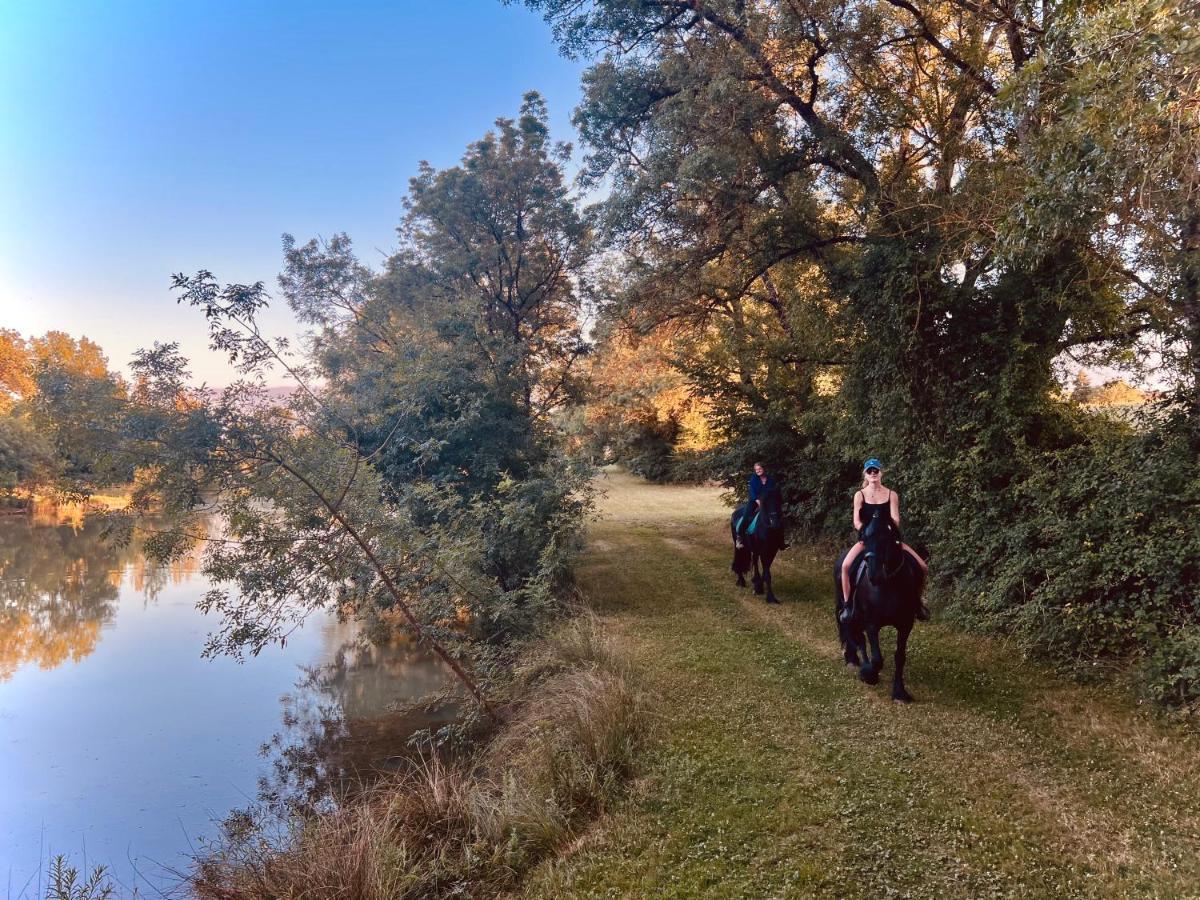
(760, 485)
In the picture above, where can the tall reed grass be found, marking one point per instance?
(469, 826)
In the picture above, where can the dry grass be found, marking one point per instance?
(470, 827)
(630, 500)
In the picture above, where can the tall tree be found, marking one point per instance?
(871, 151)
(414, 477)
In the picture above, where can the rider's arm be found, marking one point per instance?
(858, 502)
(896, 508)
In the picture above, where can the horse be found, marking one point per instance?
(759, 549)
(886, 585)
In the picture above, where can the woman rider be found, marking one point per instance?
(875, 498)
(760, 484)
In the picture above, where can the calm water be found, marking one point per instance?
(121, 745)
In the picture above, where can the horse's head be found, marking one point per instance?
(772, 510)
(881, 548)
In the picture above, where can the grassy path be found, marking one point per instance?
(775, 773)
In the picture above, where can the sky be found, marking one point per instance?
(141, 138)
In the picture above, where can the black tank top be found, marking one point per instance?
(869, 509)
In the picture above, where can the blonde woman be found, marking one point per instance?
(872, 498)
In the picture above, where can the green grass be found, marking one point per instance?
(776, 773)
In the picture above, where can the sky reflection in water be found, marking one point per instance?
(118, 741)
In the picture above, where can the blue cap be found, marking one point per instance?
(872, 463)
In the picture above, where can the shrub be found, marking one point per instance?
(1089, 553)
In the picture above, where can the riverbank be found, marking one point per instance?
(776, 773)
(468, 824)
(48, 509)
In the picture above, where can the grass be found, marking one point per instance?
(775, 773)
(473, 825)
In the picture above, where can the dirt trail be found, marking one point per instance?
(776, 773)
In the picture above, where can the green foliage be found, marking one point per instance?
(59, 405)
(883, 233)
(1089, 553)
(1116, 150)
(415, 478)
(26, 457)
(65, 884)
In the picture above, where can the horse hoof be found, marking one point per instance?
(869, 676)
(771, 598)
(902, 696)
(741, 582)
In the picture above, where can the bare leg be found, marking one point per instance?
(917, 557)
(922, 610)
(846, 570)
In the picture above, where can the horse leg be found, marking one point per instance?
(849, 643)
(767, 560)
(869, 671)
(898, 690)
(758, 581)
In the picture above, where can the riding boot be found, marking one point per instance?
(847, 613)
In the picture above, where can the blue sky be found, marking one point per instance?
(139, 139)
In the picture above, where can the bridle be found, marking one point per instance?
(887, 574)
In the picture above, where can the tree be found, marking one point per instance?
(884, 225)
(15, 368)
(452, 361)
(58, 406)
(641, 409)
(832, 185)
(1115, 91)
(75, 404)
(414, 476)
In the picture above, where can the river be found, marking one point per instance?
(121, 745)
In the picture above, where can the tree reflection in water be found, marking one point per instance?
(343, 725)
(59, 585)
(349, 722)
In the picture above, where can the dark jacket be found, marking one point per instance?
(758, 489)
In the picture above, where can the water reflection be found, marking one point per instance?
(58, 586)
(349, 721)
(116, 736)
(59, 582)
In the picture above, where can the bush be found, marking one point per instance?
(1089, 553)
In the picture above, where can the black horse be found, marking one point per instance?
(886, 585)
(759, 549)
